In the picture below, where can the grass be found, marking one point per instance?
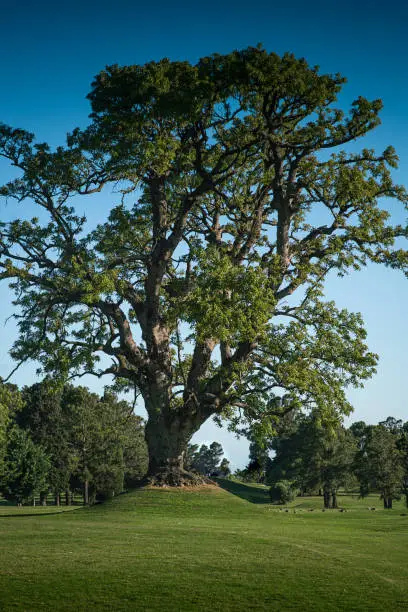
(218, 549)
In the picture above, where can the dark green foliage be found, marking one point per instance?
(224, 469)
(380, 463)
(135, 457)
(283, 492)
(45, 417)
(393, 425)
(314, 456)
(403, 448)
(26, 468)
(10, 402)
(95, 446)
(258, 457)
(205, 460)
(104, 434)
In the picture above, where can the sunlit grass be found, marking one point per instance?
(206, 550)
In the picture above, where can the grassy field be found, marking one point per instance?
(218, 549)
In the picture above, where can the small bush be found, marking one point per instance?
(283, 492)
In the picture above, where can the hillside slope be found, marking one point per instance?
(211, 549)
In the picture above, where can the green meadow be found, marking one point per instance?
(222, 548)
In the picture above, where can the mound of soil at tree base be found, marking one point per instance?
(177, 478)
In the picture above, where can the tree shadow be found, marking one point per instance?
(252, 494)
(28, 514)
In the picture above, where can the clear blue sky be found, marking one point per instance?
(49, 53)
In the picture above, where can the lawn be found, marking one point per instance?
(224, 548)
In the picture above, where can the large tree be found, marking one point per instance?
(233, 200)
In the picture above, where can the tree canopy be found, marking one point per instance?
(234, 194)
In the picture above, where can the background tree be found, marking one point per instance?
(224, 469)
(258, 457)
(204, 459)
(220, 166)
(10, 401)
(26, 468)
(403, 447)
(103, 434)
(95, 445)
(313, 457)
(135, 456)
(43, 417)
(393, 425)
(283, 492)
(379, 464)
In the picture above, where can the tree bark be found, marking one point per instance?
(387, 503)
(57, 499)
(68, 498)
(167, 437)
(334, 499)
(86, 492)
(326, 499)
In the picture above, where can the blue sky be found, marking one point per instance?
(49, 53)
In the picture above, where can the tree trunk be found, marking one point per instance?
(68, 499)
(387, 502)
(43, 499)
(57, 499)
(326, 499)
(167, 440)
(86, 492)
(334, 499)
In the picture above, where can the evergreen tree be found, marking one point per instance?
(224, 468)
(26, 468)
(313, 457)
(205, 460)
(379, 464)
(10, 402)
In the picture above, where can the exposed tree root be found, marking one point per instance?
(172, 477)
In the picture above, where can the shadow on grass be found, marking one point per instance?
(252, 494)
(27, 514)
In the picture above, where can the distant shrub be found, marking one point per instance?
(283, 492)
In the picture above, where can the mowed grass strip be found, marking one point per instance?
(206, 550)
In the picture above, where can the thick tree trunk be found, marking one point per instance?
(167, 440)
(326, 499)
(334, 499)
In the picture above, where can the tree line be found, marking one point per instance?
(310, 457)
(60, 442)
(66, 441)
